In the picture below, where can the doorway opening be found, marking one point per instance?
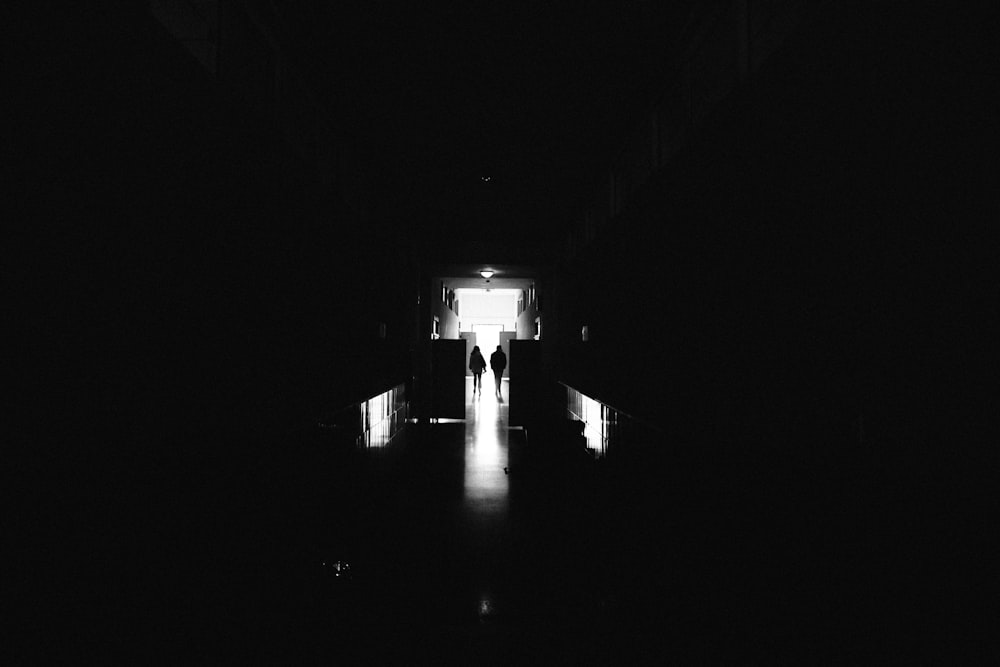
(488, 318)
(487, 337)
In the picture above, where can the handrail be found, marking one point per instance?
(610, 429)
(374, 421)
(638, 420)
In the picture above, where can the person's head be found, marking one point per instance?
(499, 348)
(475, 348)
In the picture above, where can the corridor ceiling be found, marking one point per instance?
(467, 276)
(483, 126)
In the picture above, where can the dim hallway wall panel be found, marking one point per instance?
(197, 297)
(795, 277)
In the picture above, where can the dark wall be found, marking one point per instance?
(808, 274)
(187, 234)
(193, 292)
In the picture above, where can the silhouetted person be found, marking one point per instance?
(477, 364)
(498, 362)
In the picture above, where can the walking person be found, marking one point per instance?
(498, 362)
(477, 364)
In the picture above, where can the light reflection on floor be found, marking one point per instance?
(486, 485)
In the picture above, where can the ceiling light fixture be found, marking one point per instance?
(486, 273)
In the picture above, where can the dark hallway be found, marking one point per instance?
(746, 261)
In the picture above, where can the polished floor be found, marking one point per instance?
(465, 541)
(452, 537)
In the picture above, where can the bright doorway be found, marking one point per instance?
(485, 314)
(487, 338)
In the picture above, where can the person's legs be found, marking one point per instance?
(498, 376)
